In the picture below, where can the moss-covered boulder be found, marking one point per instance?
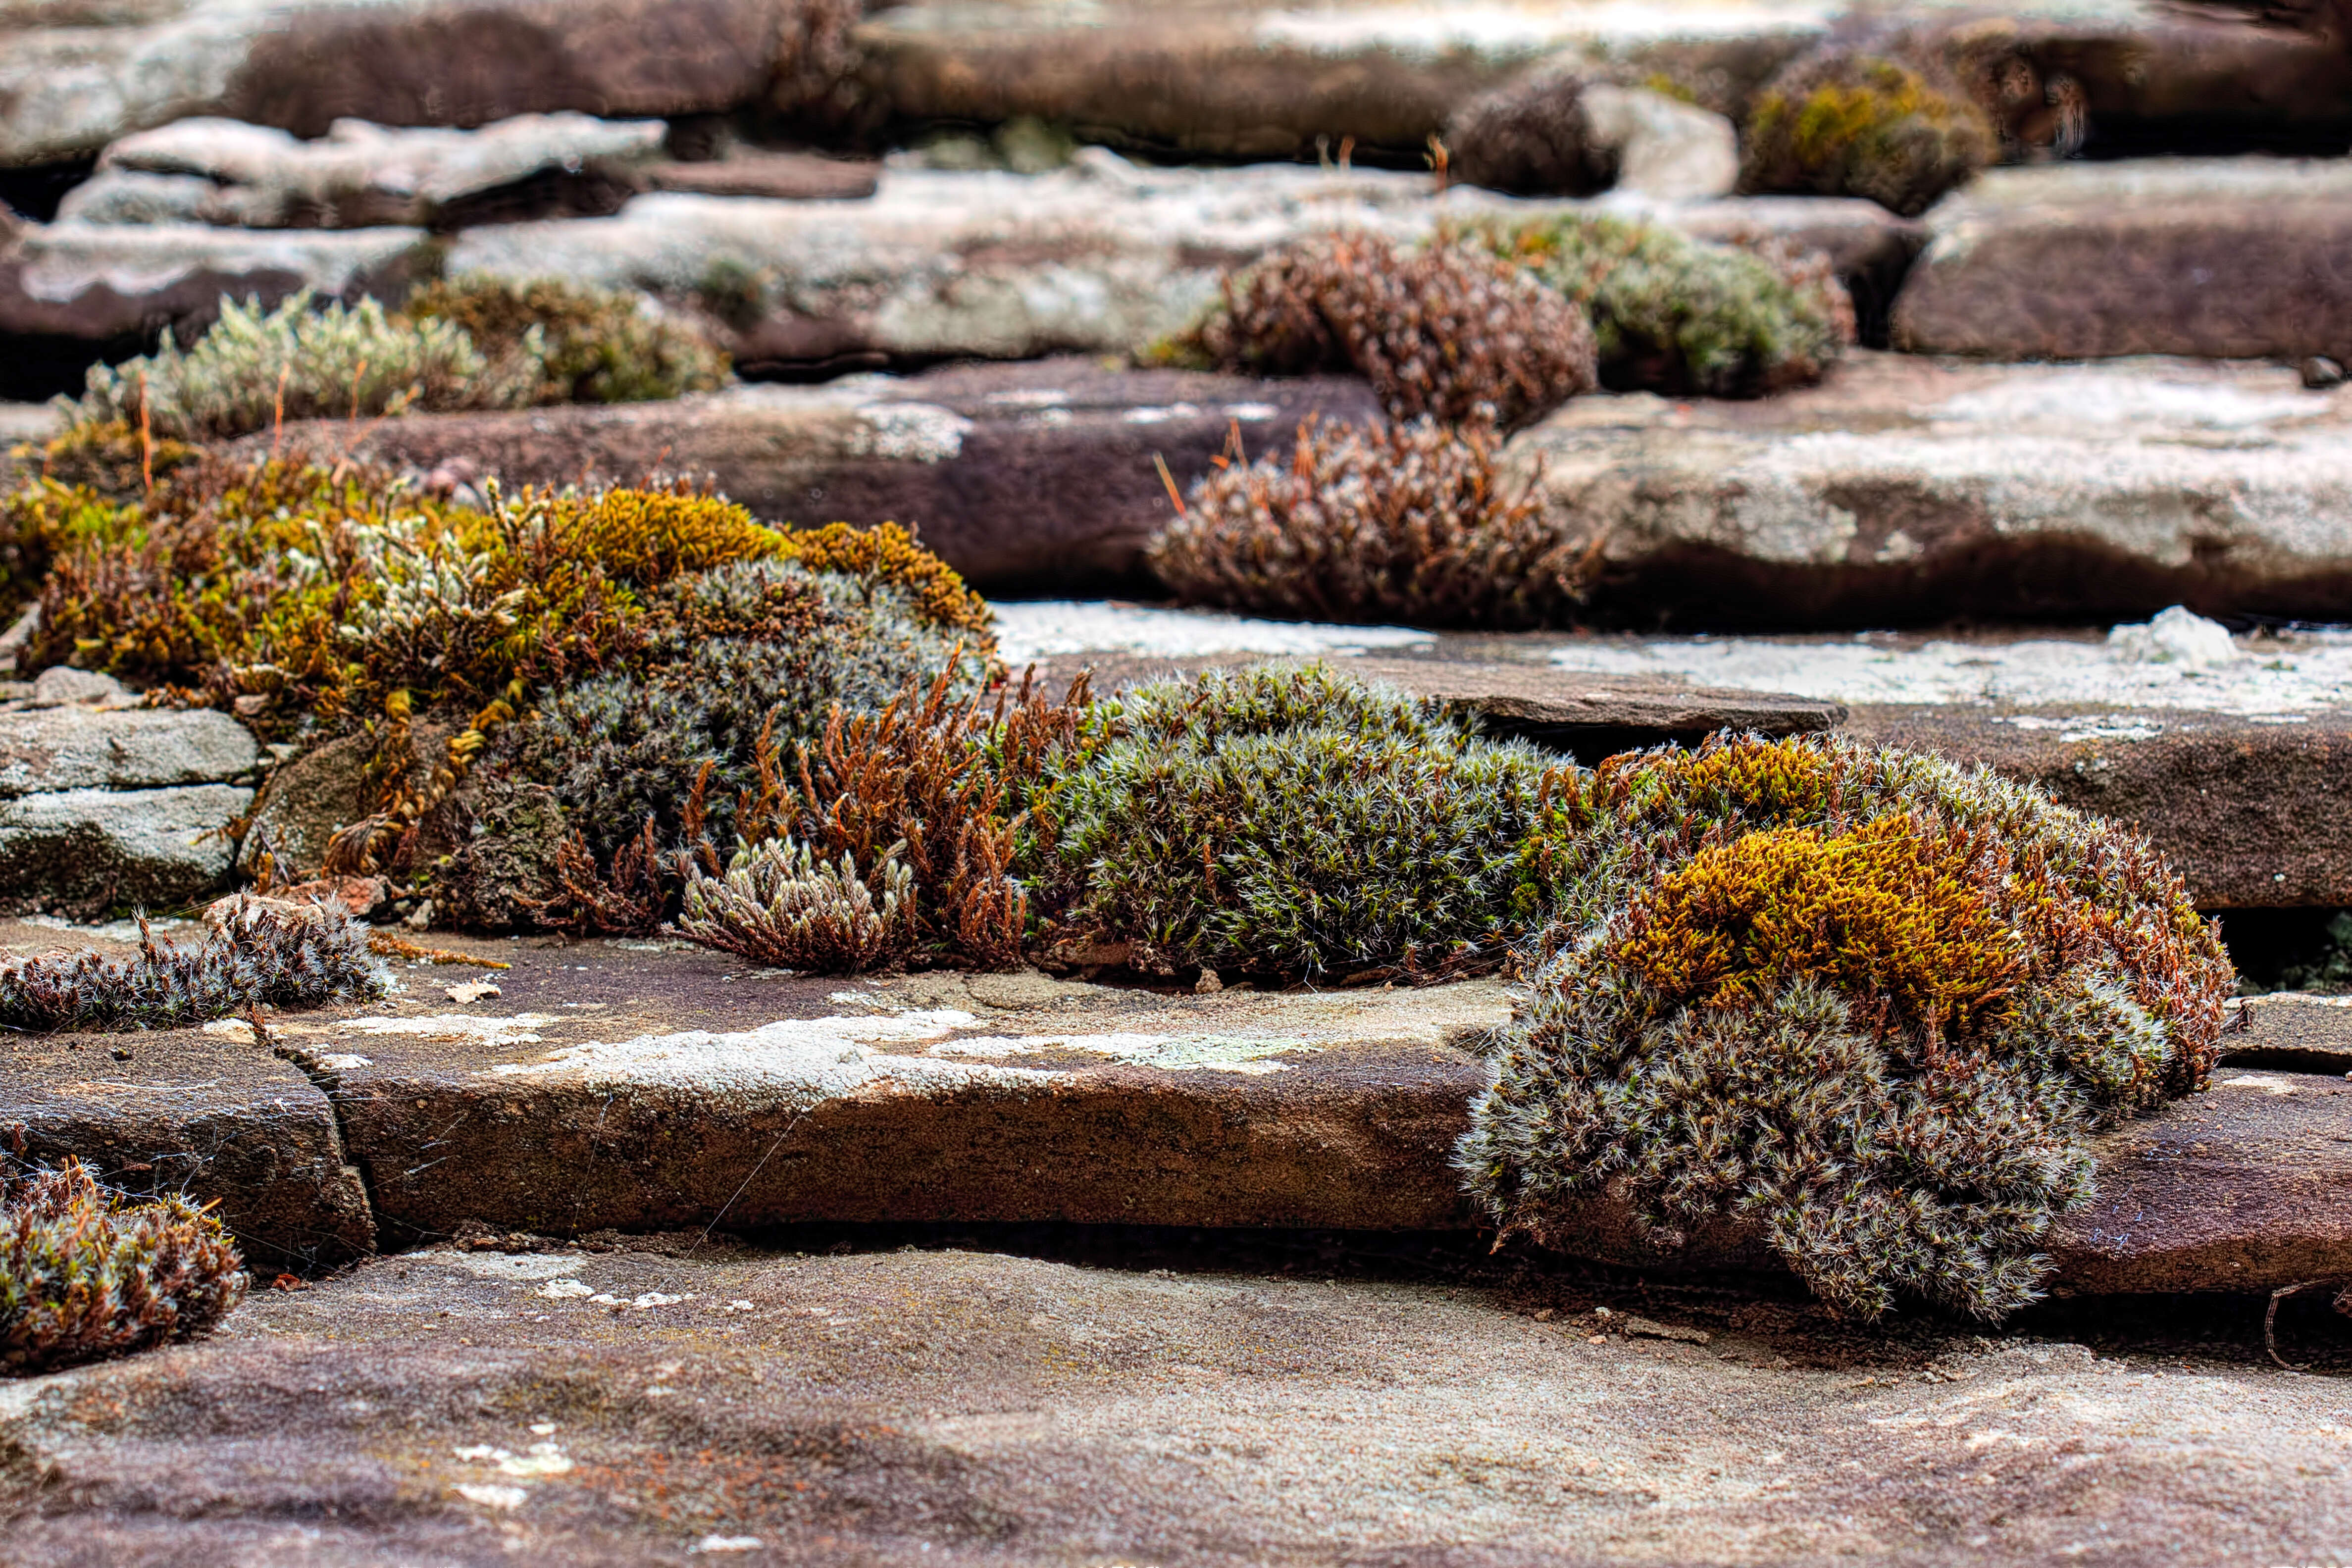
(1848, 122)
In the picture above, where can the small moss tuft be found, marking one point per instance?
(779, 905)
(1846, 123)
(1446, 331)
(550, 341)
(1671, 314)
(1413, 522)
(86, 1273)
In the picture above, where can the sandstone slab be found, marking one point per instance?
(654, 1091)
(1903, 490)
(93, 850)
(360, 175)
(2296, 1033)
(1026, 477)
(185, 1111)
(2223, 258)
(1101, 256)
(45, 749)
(301, 65)
(961, 1405)
(71, 292)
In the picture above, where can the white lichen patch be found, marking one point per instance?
(1251, 1054)
(908, 431)
(2173, 662)
(458, 1028)
(1042, 627)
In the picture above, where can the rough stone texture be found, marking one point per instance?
(1665, 148)
(304, 801)
(185, 1111)
(1025, 478)
(47, 749)
(2255, 814)
(361, 175)
(2296, 1033)
(103, 848)
(777, 176)
(1099, 258)
(2228, 258)
(1593, 718)
(1904, 490)
(647, 1092)
(301, 65)
(70, 293)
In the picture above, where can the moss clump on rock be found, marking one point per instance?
(1288, 820)
(1848, 123)
(257, 953)
(1867, 1005)
(1531, 137)
(550, 342)
(475, 343)
(1676, 315)
(1413, 522)
(86, 1273)
(1445, 330)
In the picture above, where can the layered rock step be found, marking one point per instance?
(625, 1086)
(1901, 490)
(105, 805)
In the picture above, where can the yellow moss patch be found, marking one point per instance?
(1891, 909)
(888, 553)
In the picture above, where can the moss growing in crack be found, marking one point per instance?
(86, 1273)
(1673, 314)
(1869, 1004)
(1850, 123)
(1288, 820)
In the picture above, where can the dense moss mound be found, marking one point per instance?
(86, 1273)
(550, 342)
(1289, 820)
(1445, 330)
(1413, 522)
(1870, 1004)
(1848, 123)
(1671, 314)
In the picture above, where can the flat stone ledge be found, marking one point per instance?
(67, 748)
(633, 1087)
(102, 849)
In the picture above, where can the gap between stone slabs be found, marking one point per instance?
(633, 1086)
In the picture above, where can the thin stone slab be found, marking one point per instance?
(2223, 258)
(2295, 1033)
(978, 1404)
(646, 1091)
(44, 749)
(1904, 490)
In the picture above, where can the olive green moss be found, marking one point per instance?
(1677, 315)
(1851, 123)
(1867, 1004)
(1288, 820)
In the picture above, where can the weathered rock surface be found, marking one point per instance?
(1025, 477)
(776, 176)
(301, 65)
(618, 1086)
(1904, 490)
(2226, 258)
(965, 1407)
(45, 749)
(360, 175)
(2296, 1033)
(326, 787)
(1099, 258)
(71, 293)
(639, 1092)
(185, 1111)
(100, 848)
